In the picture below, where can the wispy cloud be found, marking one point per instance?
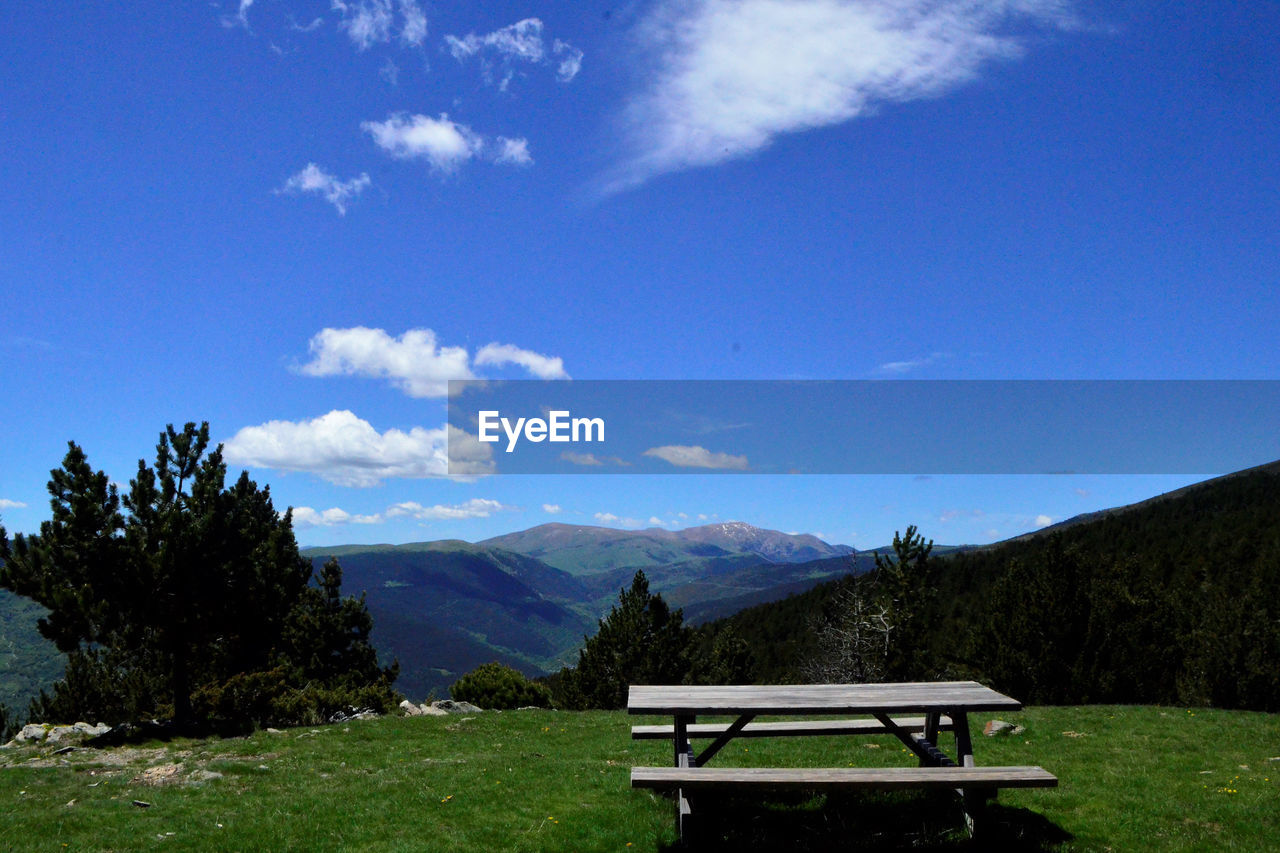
(313, 179)
(521, 42)
(590, 460)
(551, 509)
(442, 142)
(611, 519)
(684, 456)
(541, 366)
(390, 72)
(5, 503)
(569, 60)
(346, 450)
(512, 151)
(370, 22)
(240, 18)
(414, 30)
(730, 76)
(415, 362)
(900, 367)
(474, 508)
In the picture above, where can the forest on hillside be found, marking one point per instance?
(1174, 601)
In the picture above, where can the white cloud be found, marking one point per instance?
(305, 516)
(519, 42)
(655, 521)
(541, 366)
(684, 456)
(474, 508)
(414, 361)
(570, 60)
(732, 75)
(1043, 521)
(551, 509)
(5, 503)
(344, 449)
(313, 179)
(414, 31)
(513, 151)
(442, 142)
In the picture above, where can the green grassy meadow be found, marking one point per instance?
(1132, 778)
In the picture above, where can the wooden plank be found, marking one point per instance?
(918, 697)
(883, 778)
(788, 728)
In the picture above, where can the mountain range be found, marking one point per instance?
(528, 598)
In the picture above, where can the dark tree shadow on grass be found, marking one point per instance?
(923, 821)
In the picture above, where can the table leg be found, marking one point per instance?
(683, 758)
(974, 799)
(931, 724)
(683, 749)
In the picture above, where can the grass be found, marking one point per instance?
(1132, 778)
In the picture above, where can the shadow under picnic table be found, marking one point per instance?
(913, 820)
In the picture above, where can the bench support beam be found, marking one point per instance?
(728, 735)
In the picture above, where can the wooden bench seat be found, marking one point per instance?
(788, 728)
(690, 779)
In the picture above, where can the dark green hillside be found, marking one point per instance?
(1174, 600)
(443, 608)
(28, 662)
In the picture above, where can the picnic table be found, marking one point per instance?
(934, 707)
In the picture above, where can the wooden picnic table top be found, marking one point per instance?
(918, 696)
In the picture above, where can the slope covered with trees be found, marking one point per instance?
(1175, 600)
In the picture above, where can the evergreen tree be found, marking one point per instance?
(904, 596)
(197, 585)
(326, 637)
(641, 641)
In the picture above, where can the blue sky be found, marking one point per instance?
(297, 220)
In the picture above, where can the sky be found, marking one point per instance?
(299, 220)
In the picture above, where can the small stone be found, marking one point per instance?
(410, 709)
(142, 804)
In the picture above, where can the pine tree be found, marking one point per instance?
(641, 641)
(904, 595)
(196, 586)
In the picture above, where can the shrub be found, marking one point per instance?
(499, 687)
